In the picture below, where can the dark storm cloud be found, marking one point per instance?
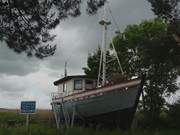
(15, 64)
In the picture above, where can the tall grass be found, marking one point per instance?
(45, 129)
(45, 125)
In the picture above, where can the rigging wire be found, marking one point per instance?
(117, 27)
(113, 18)
(117, 57)
(100, 65)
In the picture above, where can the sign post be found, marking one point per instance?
(27, 108)
(27, 122)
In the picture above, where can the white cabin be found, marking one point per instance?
(77, 83)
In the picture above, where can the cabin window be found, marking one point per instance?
(89, 84)
(78, 84)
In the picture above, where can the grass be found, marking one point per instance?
(35, 129)
(43, 123)
(44, 129)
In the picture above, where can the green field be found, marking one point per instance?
(42, 123)
(44, 129)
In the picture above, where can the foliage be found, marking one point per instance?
(150, 48)
(141, 121)
(93, 63)
(19, 119)
(45, 128)
(168, 9)
(6, 116)
(174, 114)
(25, 24)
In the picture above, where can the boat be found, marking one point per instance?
(112, 105)
(95, 101)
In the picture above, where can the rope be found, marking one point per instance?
(113, 18)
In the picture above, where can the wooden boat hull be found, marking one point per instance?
(116, 106)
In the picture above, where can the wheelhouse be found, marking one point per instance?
(77, 83)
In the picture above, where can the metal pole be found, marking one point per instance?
(65, 116)
(73, 115)
(104, 55)
(117, 57)
(100, 67)
(55, 115)
(27, 122)
(104, 23)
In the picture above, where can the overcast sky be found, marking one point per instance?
(25, 78)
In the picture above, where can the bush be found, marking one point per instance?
(174, 115)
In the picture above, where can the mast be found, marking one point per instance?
(104, 23)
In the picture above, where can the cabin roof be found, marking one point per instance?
(71, 77)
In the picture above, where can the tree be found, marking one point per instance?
(170, 11)
(93, 63)
(25, 24)
(149, 48)
(167, 9)
(174, 114)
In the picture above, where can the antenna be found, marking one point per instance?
(65, 75)
(65, 69)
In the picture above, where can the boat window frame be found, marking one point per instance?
(81, 84)
(92, 83)
(64, 85)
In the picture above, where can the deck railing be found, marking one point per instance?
(61, 95)
(57, 95)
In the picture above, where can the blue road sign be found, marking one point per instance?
(28, 107)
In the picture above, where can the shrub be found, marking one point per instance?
(174, 114)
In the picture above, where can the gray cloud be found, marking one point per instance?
(8, 85)
(15, 64)
(12, 88)
(78, 37)
(35, 86)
